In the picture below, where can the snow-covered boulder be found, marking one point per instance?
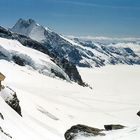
(82, 130)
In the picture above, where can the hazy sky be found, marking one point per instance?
(117, 18)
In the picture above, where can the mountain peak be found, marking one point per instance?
(28, 21)
(24, 23)
(29, 28)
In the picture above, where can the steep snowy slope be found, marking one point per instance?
(14, 127)
(82, 54)
(51, 106)
(12, 50)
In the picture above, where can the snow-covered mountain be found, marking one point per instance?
(81, 53)
(25, 51)
(30, 28)
(50, 106)
(36, 105)
(14, 51)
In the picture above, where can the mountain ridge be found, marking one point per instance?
(66, 66)
(80, 53)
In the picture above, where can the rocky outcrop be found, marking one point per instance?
(11, 99)
(87, 131)
(83, 130)
(138, 113)
(1, 116)
(14, 103)
(113, 127)
(70, 69)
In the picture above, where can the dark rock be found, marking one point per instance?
(8, 135)
(18, 60)
(138, 113)
(113, 127)
(71, 70)
(5, 33)
(130, 51)
(14, 102)
(58, 74)
(82, 130)
(1, 116)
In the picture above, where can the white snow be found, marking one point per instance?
(51, 106)
(112, 52)
(71, 41)
(134, 46)
(35, 59)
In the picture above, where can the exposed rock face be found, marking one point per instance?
(14, 103)
(87, 131)
(138, 113)
(70, 69)
(19, 60)
(82, 130)
(1, 116)
(11, 99)
(113, 127)
(2, 131)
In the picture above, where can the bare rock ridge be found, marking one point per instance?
(83, 130)
(9, 97)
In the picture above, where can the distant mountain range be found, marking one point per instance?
(58, 55)
(41, 74)
(80, 52)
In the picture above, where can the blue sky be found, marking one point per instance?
(112, 18)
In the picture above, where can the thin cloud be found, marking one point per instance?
(94, 4)
(105, 38)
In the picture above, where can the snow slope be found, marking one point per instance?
(51, 106)
(33, 59)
